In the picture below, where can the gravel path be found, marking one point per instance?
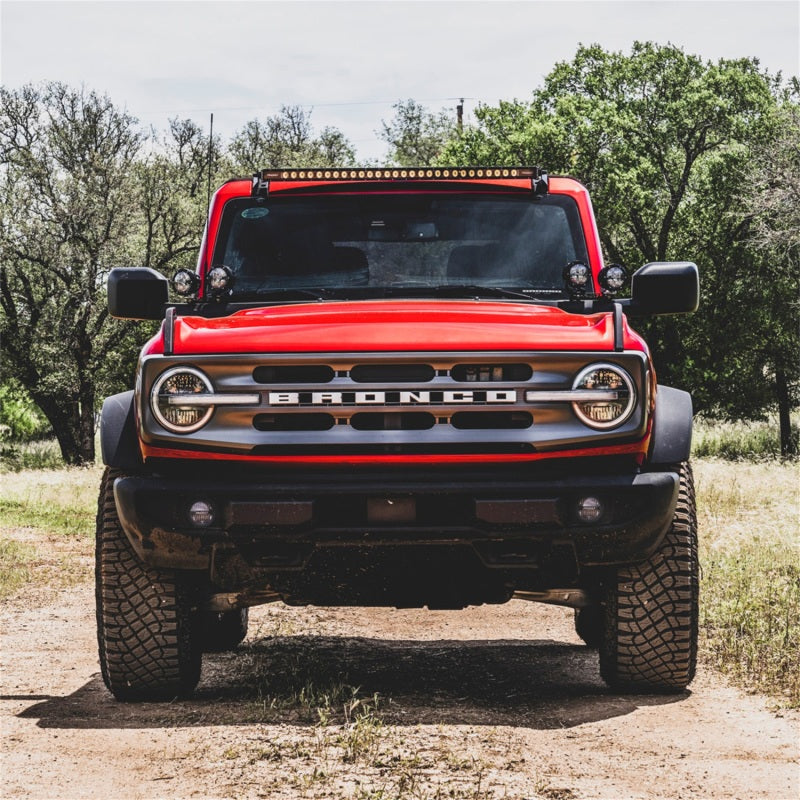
(491, 702)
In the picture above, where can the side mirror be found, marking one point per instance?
(137, 293)
(664, 287)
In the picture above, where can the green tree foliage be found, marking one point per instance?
(171, 193)
(417, 137)
(663, 140)
(772, 208)
(66, 216)
(82, 190)
(20, 420)
(287, 139)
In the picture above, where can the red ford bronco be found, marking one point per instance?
(396, 387)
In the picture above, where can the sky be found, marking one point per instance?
(349, 62)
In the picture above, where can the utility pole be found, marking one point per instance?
(210, 164)
(460, 116)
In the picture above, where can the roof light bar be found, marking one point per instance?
(537, 175)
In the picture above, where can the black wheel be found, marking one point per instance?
(590, 625)
(223, 631)
(650, 641)
(147, 619)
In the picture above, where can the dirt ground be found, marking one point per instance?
(375, 704)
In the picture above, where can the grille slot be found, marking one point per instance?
(393, 421)
(294, 422)
(392, 373)
(294, 373)
(491, 420)
(469, 373)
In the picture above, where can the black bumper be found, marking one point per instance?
(509, 521)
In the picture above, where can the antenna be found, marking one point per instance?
(210, 158)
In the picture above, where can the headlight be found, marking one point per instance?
(166, 400)
(612, 399)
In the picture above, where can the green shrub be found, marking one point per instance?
(20, 419)
(17, 456)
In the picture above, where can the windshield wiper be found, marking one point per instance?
(476, 290)
(282, 293)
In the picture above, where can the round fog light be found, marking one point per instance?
(201, 514)
(590, 509)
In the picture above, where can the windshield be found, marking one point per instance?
(399, 243)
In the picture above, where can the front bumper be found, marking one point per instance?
(523, 528)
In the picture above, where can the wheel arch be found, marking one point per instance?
(672, 427)
(119, 443)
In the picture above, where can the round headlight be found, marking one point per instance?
(612, 398)
(185, 282)
(171, 400)
(578, 278)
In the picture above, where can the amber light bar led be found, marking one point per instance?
(394, 173)
(538, 176)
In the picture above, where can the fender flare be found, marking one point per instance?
(671, 442)
(119, 443)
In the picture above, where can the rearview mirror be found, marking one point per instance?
(664, 287)
(137, 293)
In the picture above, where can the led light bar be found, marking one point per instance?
(537, 175)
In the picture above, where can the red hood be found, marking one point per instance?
(397, 325)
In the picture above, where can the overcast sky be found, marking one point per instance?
(350, 61)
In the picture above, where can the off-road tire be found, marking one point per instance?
(223, 631)
(650, 642)
(147, 619)
(590, 625)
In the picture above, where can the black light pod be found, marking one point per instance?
(185, 283)
(612, 279)
(219, 282)
(578, 278)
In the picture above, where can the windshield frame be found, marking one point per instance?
(382, 195)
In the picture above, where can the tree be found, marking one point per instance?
(171, 194)
(772, 207)
(66, 216)
(417, 137)
(662, 139)
(287, 139)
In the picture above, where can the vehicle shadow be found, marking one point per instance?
(288, 679)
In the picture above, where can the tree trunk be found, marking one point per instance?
(87, 425)
(788, 444)
(64, 416)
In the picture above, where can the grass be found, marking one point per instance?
(46, 518)
(739, 441)
(44, 454)
(750, 557)
(15, 566)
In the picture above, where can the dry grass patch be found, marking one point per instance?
(47, 520)
(750, 555)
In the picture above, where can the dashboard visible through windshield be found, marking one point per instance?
(378, 243)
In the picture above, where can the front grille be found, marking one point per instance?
(395, 403)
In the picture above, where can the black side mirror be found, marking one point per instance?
(664, 287)
(137, 293)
